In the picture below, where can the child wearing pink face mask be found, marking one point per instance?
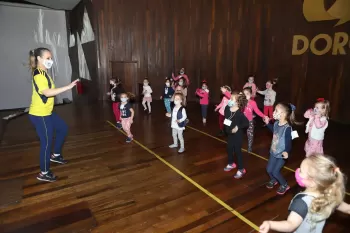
(226, 91)
(270, 97)
(324, 185)
(252, 85)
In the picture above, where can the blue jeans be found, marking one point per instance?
(167, 105)
(274, 167)
(45, 127)
(204, 110)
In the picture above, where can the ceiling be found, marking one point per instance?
(56, 4)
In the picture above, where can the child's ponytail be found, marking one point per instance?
(290, 113)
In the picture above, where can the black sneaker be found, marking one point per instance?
(119, 125)
(48, 177)
(271, 184)
(283, 189)
(58, 159)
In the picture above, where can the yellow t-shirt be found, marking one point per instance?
(41, 105)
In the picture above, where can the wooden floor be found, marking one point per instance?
(111, 186)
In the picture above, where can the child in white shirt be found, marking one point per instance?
(178, 122)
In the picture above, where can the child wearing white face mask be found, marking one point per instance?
(204, 100)
(167, 96)
(252, 85)
(281, 145)
(147, 95)
(178, 122)
(127, 115)
(316, 126)
(270, 97)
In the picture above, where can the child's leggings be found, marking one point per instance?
(178, 134)
(274, 166)
(250, 134)
(221, 121)
(167, 105)
(116, 111)
(268, 111)
(126, 124)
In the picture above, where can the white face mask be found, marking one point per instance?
(250, 80)
(145, 84)
(276, 116)
(124, 99)
(48, 63)
(181, 83)
(167, 84)
(204, 87)
(177, 102)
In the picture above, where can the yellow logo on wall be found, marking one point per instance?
(314, 10)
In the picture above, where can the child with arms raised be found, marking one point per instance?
(324, 193)
(270, 97)
(316, 126)
(204, 100)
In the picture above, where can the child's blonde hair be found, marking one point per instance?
(330, 183)
(130, 95)
(325, 105)
(181, 97)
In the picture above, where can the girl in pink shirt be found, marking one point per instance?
(248, 112)
(252, 85)
(181, 83)
(204, 100)
(226, 91)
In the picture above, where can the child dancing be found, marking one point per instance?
(316, 126)
(114, 93)
(252, 85)
(281, 145)
(235, 122)
(204, 100)
(127, 115)
(226, 91)
(324, 185)
(178, 122)
(248, 112)
(167, 96)
(270, 97)
(147, 97)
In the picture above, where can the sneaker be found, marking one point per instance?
(240, 174)
(182, 150)
(229, 167)
(173, 146)
(271, 184)
(283, 189)
(128, 140)
(48, 177)
(221, 133)
(119, 125)
(58, 159)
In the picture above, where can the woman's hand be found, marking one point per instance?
(72, 84)
(108, 93)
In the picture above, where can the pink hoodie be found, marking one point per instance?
(223, 104)
(252, 107)
(204, 96)
(253, 86)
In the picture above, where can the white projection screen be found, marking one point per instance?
(24, 28)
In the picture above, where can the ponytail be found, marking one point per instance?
(330, 182)
(290, 113)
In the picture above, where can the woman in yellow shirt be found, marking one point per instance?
(41, 115)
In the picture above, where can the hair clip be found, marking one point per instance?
(204, 81)
(320, 99)
(292, 107)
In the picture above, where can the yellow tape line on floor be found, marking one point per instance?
(252, 153)
(238, 215)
